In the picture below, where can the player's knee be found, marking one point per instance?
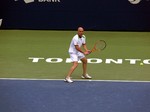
(84, 61)
(75, 65)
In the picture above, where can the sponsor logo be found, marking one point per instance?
(28, 1)
(49, 1)
(31, 1)
(134, 1)
(91, 60)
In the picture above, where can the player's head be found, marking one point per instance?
(80, 31)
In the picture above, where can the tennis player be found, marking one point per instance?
(76, 54)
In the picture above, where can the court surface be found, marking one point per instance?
(81, 96)
(120, 73)
(44, 54)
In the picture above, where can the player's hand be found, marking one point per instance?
(87, 52)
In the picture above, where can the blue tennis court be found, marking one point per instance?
(81, 96)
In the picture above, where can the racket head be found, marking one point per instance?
(99, 46)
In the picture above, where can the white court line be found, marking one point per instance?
(74, 80)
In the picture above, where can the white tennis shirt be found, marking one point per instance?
(76, 41)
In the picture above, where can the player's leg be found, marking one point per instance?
(84, 66)
(73, 67)
(74, 58)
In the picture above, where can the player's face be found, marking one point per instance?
(80, 32)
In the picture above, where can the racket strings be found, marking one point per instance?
(99, 45)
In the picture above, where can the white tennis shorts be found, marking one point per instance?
(76, 57)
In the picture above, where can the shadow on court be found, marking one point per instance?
(81, 96)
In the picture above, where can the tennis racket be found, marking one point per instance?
(99, 46)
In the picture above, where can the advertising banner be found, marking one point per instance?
(126, 15)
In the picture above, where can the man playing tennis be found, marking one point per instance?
(77, 54)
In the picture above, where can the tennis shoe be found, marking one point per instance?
(86, 76)
(68, 79)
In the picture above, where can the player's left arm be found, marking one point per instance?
(85, 48)
(84, 45)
